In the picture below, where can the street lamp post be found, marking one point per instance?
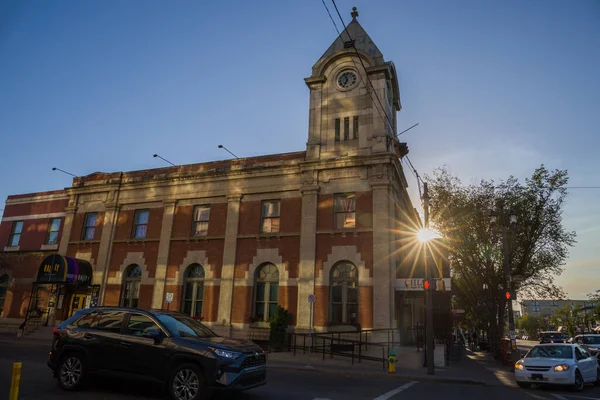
(507, 221)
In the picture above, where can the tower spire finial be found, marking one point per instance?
(354, 13)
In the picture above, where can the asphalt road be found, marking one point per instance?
(37, 383)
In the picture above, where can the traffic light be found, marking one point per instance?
(507, 294)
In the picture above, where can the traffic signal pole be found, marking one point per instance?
(508, 290)
(429, 339)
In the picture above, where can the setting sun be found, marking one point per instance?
(425, 235)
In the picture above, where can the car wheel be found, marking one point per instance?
(579, 383)
(524, 385)
(187, 383)
(71, 372)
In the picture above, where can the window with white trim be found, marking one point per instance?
(343, 293)
(53, 228)
(200, 220)
(15, 234)
(270, 216)
(345, 211)
(131, 286)
(193, 290)
(140, 224)
(89, 226)
(266, 292)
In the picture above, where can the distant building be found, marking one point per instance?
(546, 308)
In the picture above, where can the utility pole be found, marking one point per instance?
(506, 225)
(429, 339)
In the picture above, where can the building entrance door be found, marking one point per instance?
(77, 303)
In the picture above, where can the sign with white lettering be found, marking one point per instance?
(169, 298)
(416, 284)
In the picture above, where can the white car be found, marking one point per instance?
(557, 364)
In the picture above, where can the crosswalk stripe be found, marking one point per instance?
(394, 392)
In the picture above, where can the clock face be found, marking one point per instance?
(347, 79)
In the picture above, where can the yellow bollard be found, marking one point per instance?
(391, 362)
(16, 381)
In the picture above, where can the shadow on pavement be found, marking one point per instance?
(123, 387)
(138, 389)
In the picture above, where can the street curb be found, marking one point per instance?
(377, 375)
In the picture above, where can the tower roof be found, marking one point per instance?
(362, 41)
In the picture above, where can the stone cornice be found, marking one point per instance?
(315, 81)
(377, 69)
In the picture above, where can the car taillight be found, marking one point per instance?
(55, 331)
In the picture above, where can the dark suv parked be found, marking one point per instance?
(169, 347)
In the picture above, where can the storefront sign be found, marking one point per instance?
(62, 269)
(416, 284)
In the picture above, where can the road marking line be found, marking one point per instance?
(394, 392)
(535, 396)
(558, 396)
(577, 397)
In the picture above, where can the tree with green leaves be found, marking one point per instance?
(539, 244)
(569, 318)
(531, 324)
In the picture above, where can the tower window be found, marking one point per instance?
(346, 128)
(337, 129)
(355, 128)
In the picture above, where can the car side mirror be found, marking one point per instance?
(152, 333)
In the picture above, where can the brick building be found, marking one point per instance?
(231, 240)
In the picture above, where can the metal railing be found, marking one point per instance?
(327, 344)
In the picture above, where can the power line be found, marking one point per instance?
(364, 68)
(415, 173)
(330, 17)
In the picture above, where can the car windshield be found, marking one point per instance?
(551, 352)
(591, 339)
(183, 326)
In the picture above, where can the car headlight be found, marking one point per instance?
(561, 368)
(231, 355)
(519, 365)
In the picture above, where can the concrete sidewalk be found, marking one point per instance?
(473, 369)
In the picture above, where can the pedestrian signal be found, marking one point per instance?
(426, 284)
(507, 295)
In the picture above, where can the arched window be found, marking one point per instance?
(131, 286)
(344, 293)
(193, 290)
(266, 288)
(3, 290)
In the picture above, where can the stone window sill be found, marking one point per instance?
(49, 247)
(11, 248)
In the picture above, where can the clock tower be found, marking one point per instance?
(354, 97)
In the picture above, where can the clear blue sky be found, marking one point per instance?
(497, 87)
